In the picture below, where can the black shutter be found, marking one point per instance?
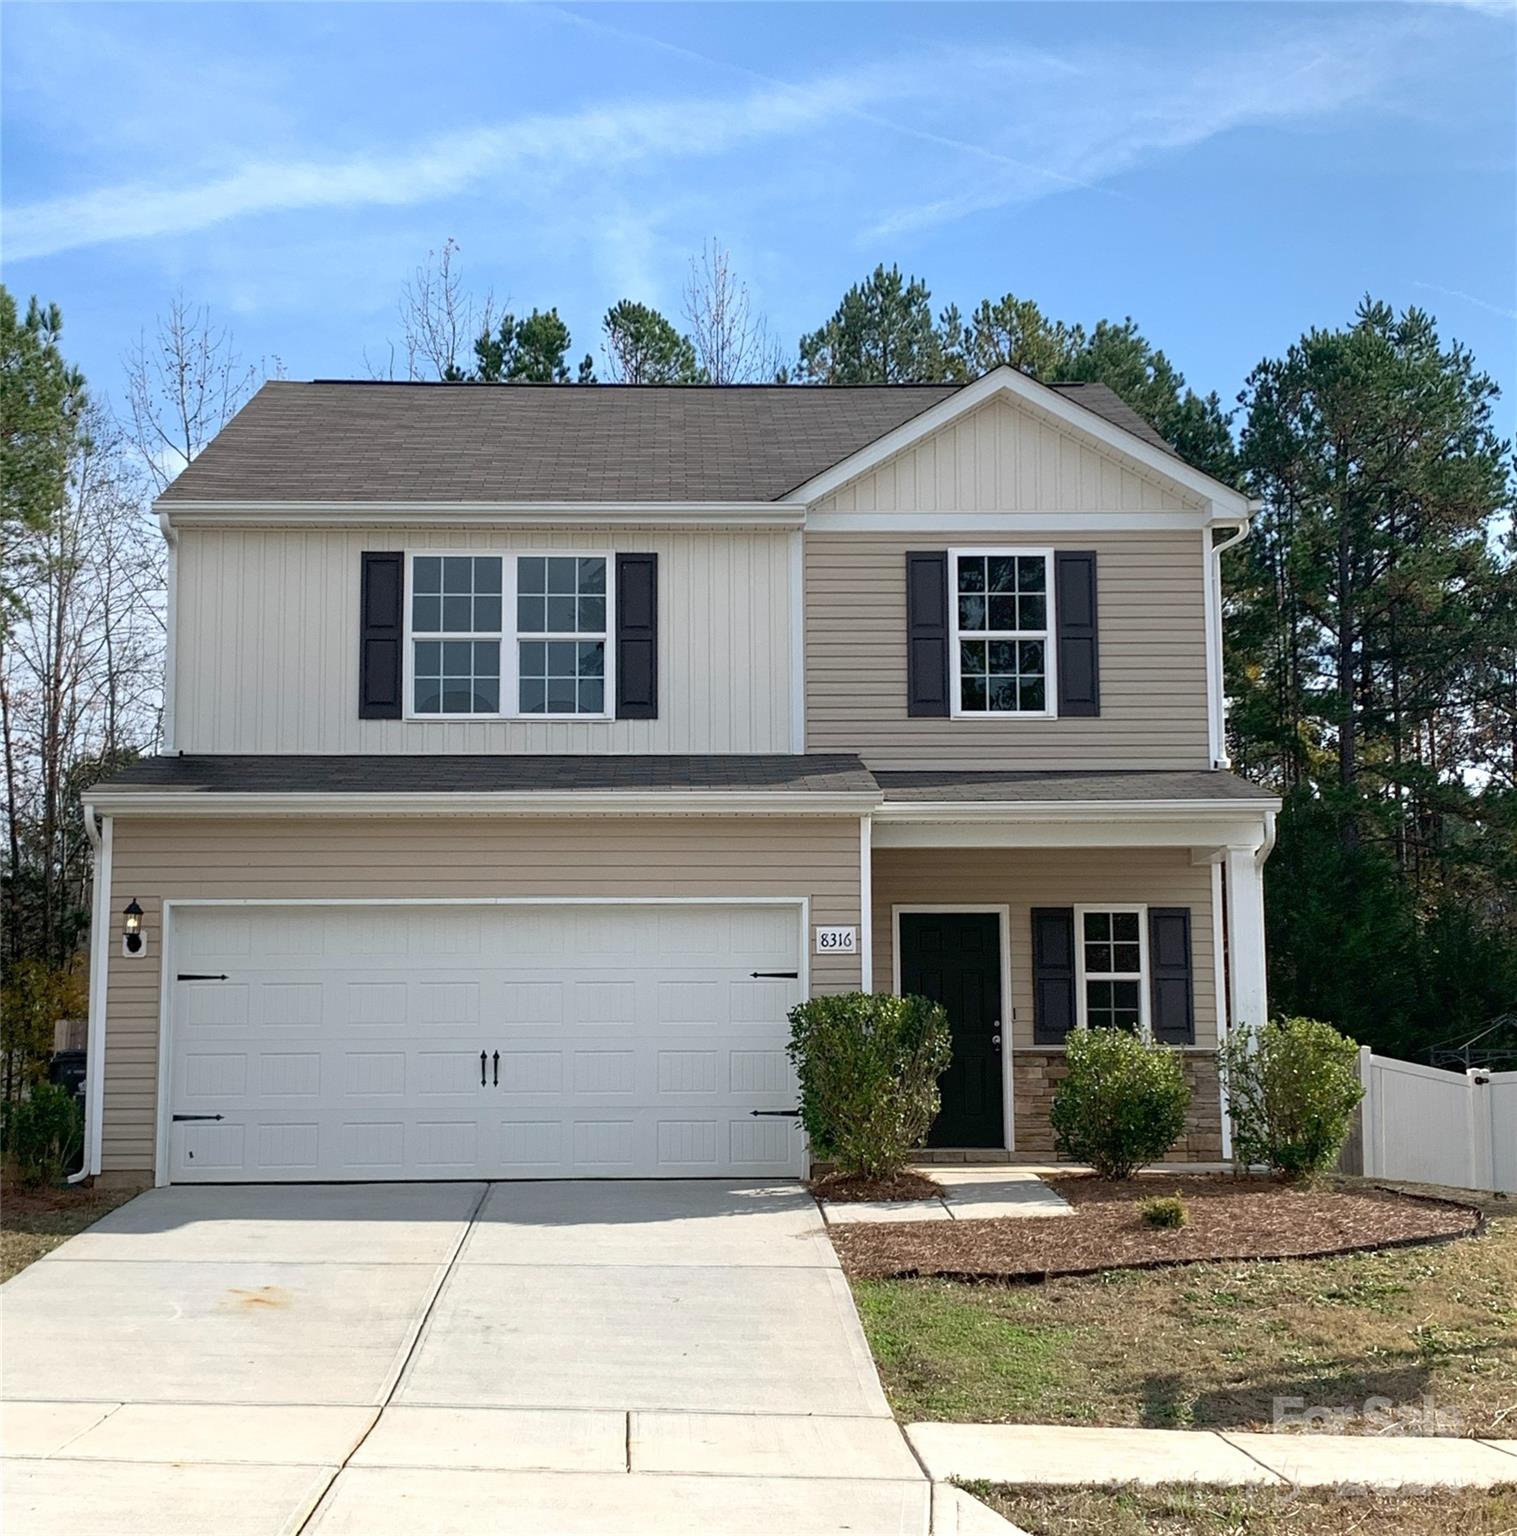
(1053, 974)
(927, 632)
(1079, 651)
(637, 637)
(382, 628)
(1172, 993)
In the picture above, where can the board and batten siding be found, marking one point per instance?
(1024, 878)
(430, 858)
(1002, 458)
(1152, 627)
(267, 649)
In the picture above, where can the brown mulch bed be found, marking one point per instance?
(904, 1186)
(35, 1220)
(1230, 1218)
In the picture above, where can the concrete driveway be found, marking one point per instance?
(541, 1357)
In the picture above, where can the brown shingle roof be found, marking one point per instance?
(362, 441)
(500, 773)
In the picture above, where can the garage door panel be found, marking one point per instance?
(631, 1041)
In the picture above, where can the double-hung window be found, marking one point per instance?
(456, 630)
(1111, 963)
(1002, 616)
(561, 634)
(510, 636)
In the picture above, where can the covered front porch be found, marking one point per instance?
(1031, 905)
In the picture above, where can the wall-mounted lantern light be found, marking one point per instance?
(133, 939)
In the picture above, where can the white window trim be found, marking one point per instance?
(1050, 711)
(510, 686)
(1082, 1021)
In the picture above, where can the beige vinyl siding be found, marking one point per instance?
(1152, 621)
(430, 858)
(1024, 878)
(1003, 458)
(267, 644)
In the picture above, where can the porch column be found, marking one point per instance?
(1245, 930)
(866, 904)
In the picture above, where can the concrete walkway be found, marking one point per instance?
(671, 1357)
(1081, 1457)
(969, 1194)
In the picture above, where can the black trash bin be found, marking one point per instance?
(67, 1069)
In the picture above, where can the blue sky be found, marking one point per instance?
(1229, 174)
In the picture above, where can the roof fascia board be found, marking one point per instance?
(719, 514)
(1006, 522)
(1028, 811)
(1018, 386)
(202, 802)
(1193, 832)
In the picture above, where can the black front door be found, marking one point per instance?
(955, 959)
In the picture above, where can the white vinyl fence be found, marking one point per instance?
(1438, 1127)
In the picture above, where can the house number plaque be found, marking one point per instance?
(837, 941)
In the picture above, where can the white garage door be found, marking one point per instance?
(435, 1042)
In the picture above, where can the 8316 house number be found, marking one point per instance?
(837, 941)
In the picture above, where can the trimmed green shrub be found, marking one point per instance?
(1164, 1211)
(44, 1133)
(1292, 1089)
(1122, 1104)
(869, 1065)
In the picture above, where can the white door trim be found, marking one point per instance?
(802, 905)
(1002, 910)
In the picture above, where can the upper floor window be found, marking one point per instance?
(561, 634)
(509, 635)
(1002, 623)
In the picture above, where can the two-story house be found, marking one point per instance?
(531, 751)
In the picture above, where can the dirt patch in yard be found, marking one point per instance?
(904, 1186)
(1230, 1219)
(35, 1221)
(1194, 1511)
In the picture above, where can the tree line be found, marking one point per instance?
(1371, 662)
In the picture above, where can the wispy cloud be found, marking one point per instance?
(939, 133)
(440, 167)
(1469, 298)
(1113, 110)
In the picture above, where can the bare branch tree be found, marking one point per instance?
(733, 345)
(439, 321)
(184, 383)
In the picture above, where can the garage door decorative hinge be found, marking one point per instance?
(198, 1117)
(778, 975)
(197, 976)
(785, 1114)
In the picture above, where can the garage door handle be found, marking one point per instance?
(495, 1067)
(481, 1069)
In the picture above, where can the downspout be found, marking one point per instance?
(100, 876)
(171, 539)
(1241, 526)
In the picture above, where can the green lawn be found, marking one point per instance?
(1212, 1345)
(1188, 1511)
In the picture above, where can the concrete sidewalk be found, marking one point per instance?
(1086, 1457)
(969, 1194)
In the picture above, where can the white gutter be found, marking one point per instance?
(94, 1055)
(200, 802)
(1070, 810)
